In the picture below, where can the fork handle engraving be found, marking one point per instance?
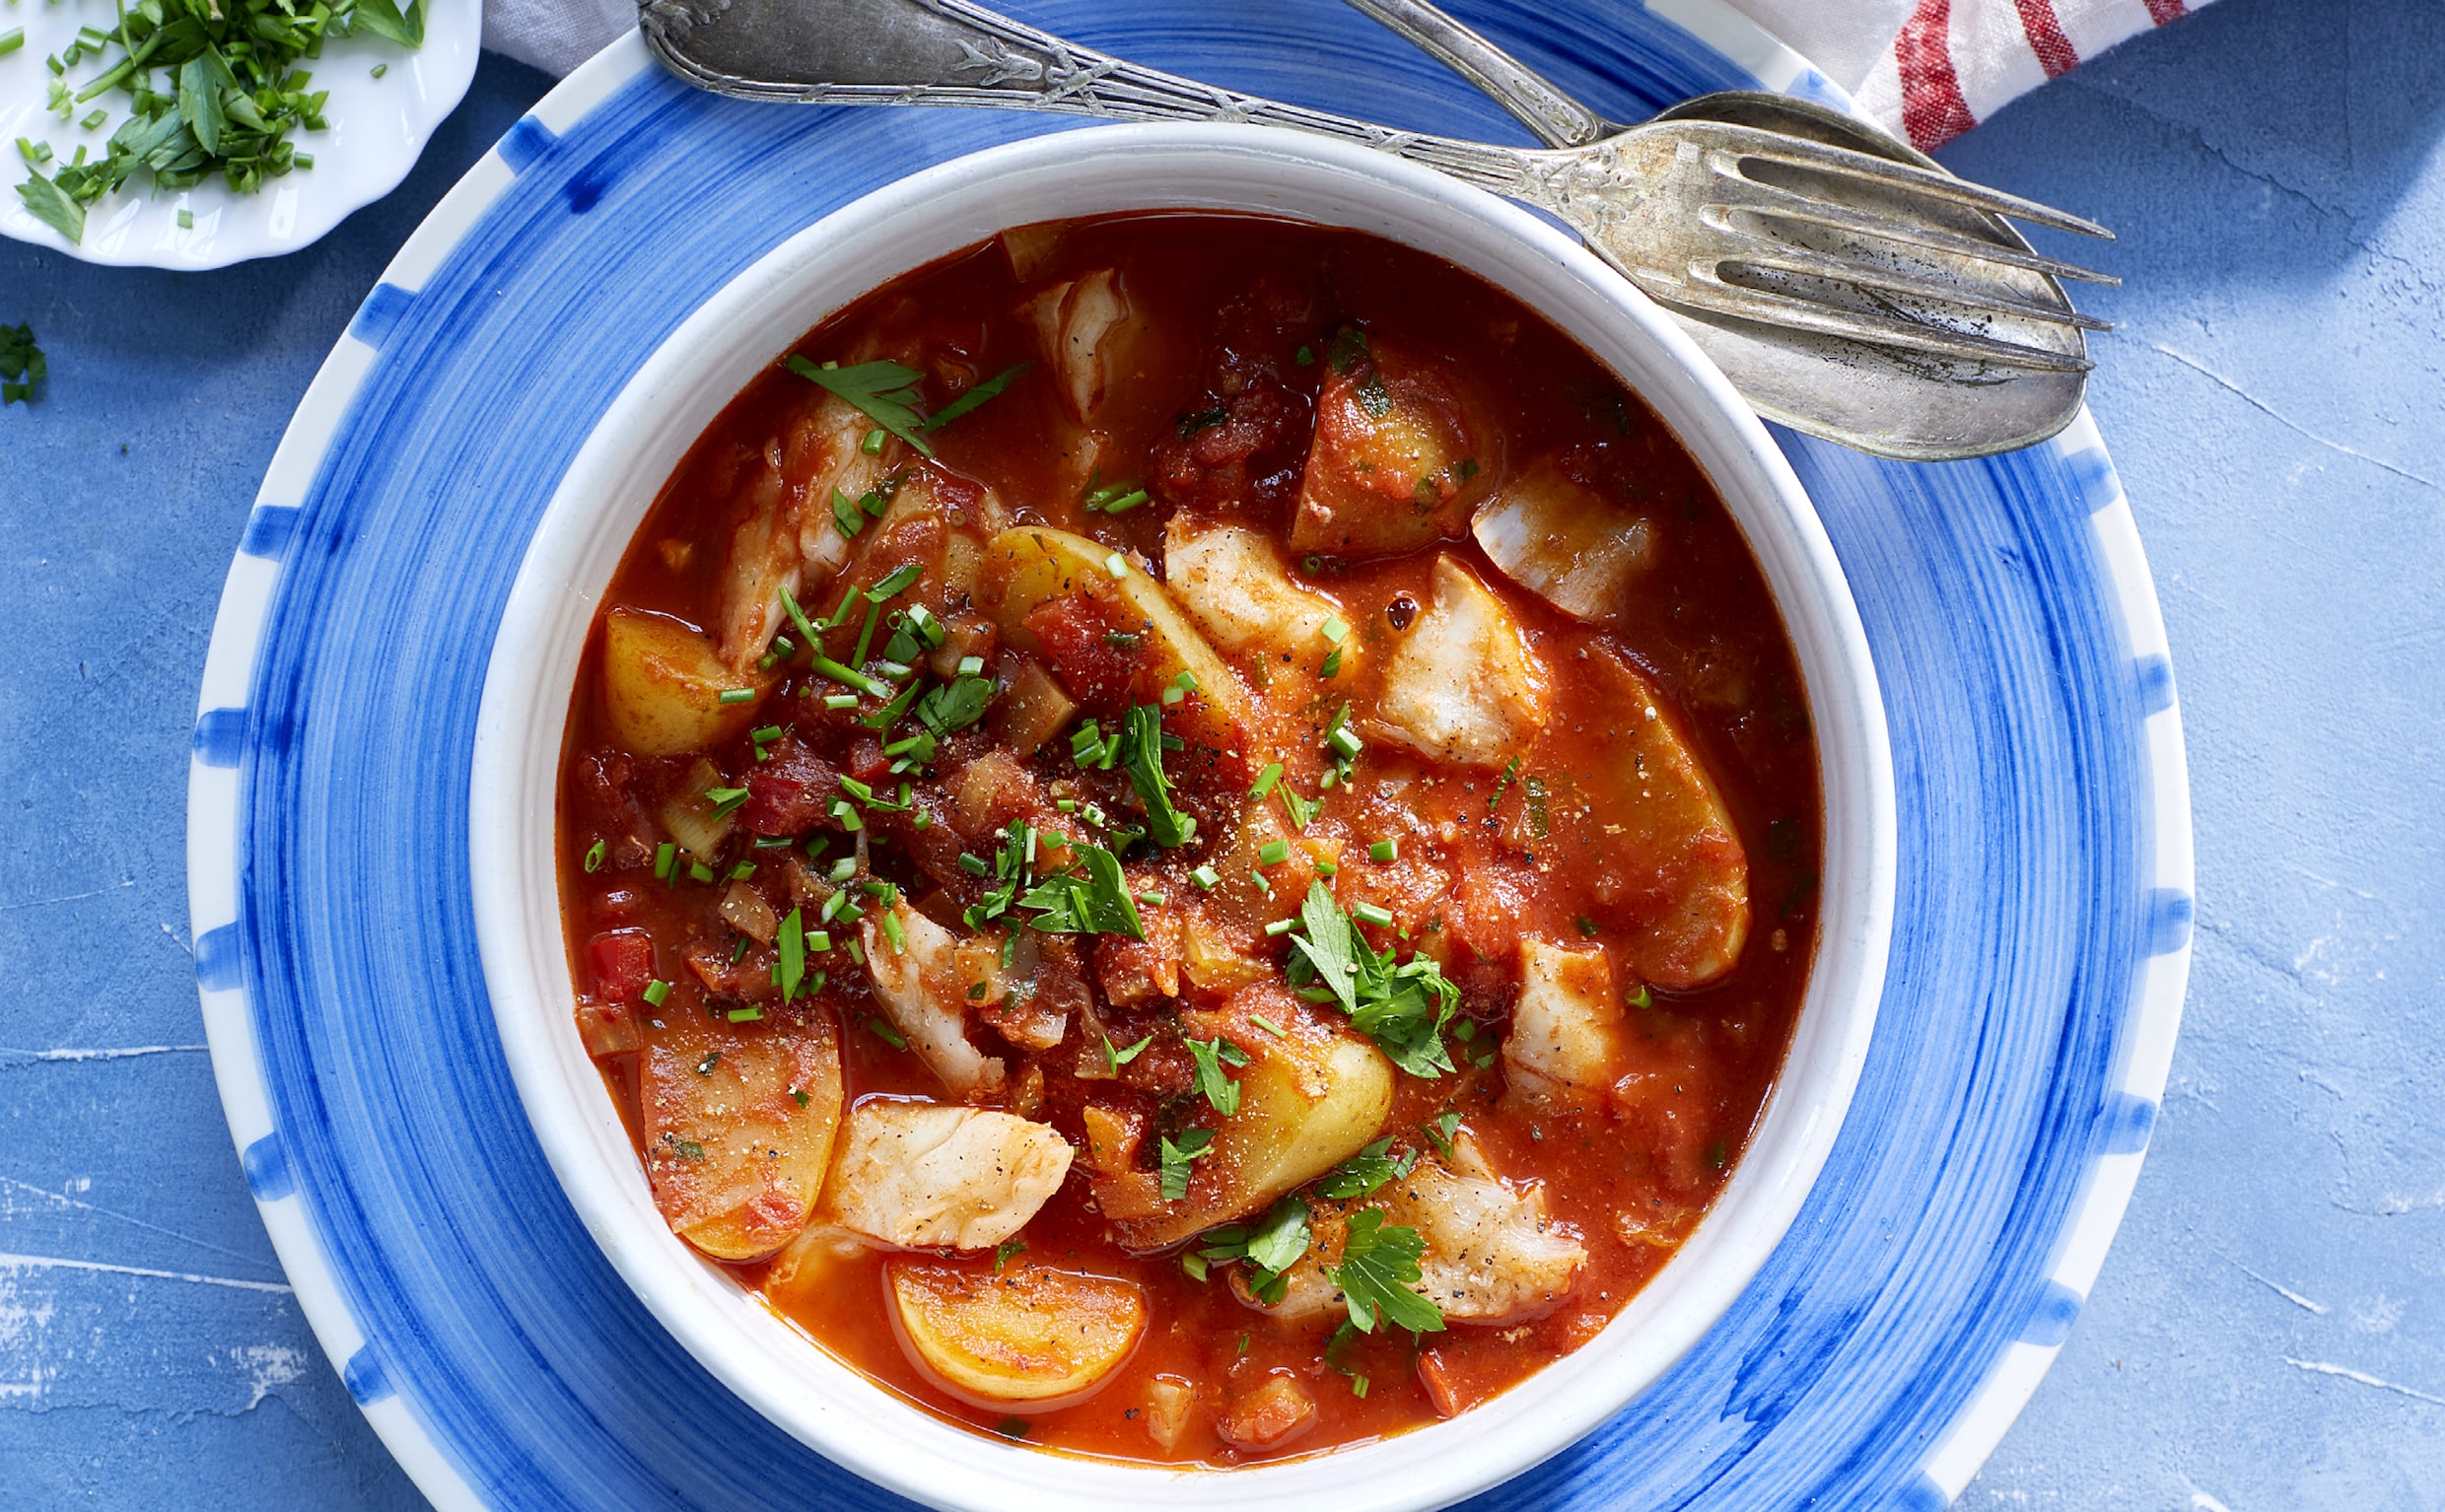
(954, 53)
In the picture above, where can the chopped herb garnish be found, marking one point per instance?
(1370, 1168)
(1502, 784)
(1006, 1251)
(665, 855)
(1206, 877)
(594, 858)
(885, 1032)
(1267, 1024)
(1095, 903)
(1204, 419)
(1379, 1266)
(1116, 1058)
(1211, 1055)
(22, 364)
(1265, 781)
(1302, 811)
(1270, 1247)
(745, 1015)
(1403, 1008)
(1441, 1130)
(725, 800)
(705, 1066)
(656, 990)
(735, 696)
(1142, 753)
(1178, 1152)
(1586, 926)
(1273, 853)
(791, 945)
(882, 391)
(974, 397)
(1306, 357)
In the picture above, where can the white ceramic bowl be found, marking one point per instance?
(678, 392)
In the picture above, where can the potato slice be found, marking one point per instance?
(1565, 542)
(1032, 1335)
(1401, 457)
(736, 1159)
(1116, 641)
(1460, 687)
(1673, 868)
(662, 685)
(1306, 1103)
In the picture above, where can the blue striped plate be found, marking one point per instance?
(2042, 931)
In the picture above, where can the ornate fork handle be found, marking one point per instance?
(951, 53)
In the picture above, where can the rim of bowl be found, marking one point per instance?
(712, 355)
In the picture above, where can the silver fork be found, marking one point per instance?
(1828, 250)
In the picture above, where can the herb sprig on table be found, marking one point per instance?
(20, 365)
(206, 87)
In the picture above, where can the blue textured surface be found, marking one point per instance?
(2272, 401)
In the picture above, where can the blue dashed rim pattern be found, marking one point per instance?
(2041, 939)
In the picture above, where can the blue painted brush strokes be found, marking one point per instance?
(2016, 720)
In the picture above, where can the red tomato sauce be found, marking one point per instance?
(1238, 333)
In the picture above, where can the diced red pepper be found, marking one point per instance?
(623, 962)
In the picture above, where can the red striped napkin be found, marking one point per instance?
(1931, 69)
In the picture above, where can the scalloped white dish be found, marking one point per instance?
(375, 130)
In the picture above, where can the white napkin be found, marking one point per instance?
(1928, 69)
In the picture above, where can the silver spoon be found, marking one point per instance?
(1871, 301)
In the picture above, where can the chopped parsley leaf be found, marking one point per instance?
(1211, 1055)
(1370, 1168)
(1006, 1251)
(1403, 1008)
(1142, 754)
(1379, 1266)
(884, 391)
(1178, 1153)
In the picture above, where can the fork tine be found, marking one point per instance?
(1799, 151)
(1706, 292)
(1786, 258)
(1771, 199)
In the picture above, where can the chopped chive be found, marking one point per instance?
(1384, 851)
(746, 1016)
(1282, 925)
(1327, 869)
(899, 579)
(736, 696)
(1345, 743)
(1117, 565)
(1334, 629)
(656, 991)
(1172, 696)
(1645, 998)
(11, 41)
(1369, 913)
(974, 865)
(1152, 899)
(818, 942)
(1194, 1263)
(894, 932)
(1206, 877)
(840, 701)
(1265, 780)
(699, 872)
(594, 858)
(1268, 1025)
(1306, 357)
(843, 868)
(971, 666)
(873, 445)
(1262, 885)
(855, 952)
(1274, 853)
(742, 871)
(888, 1034)
(663, 855)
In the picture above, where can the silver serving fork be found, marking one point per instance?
(1872, 300)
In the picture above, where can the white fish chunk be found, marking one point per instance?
(1492, 1253)
(1563, 541)
(934, 1176)
(918, 987)
(1236, 588)
(1080, 326)
(1565, 1036)
(1460, 686)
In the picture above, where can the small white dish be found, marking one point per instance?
(684, 386)
(374, 130)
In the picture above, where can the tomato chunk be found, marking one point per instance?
(623, 962)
